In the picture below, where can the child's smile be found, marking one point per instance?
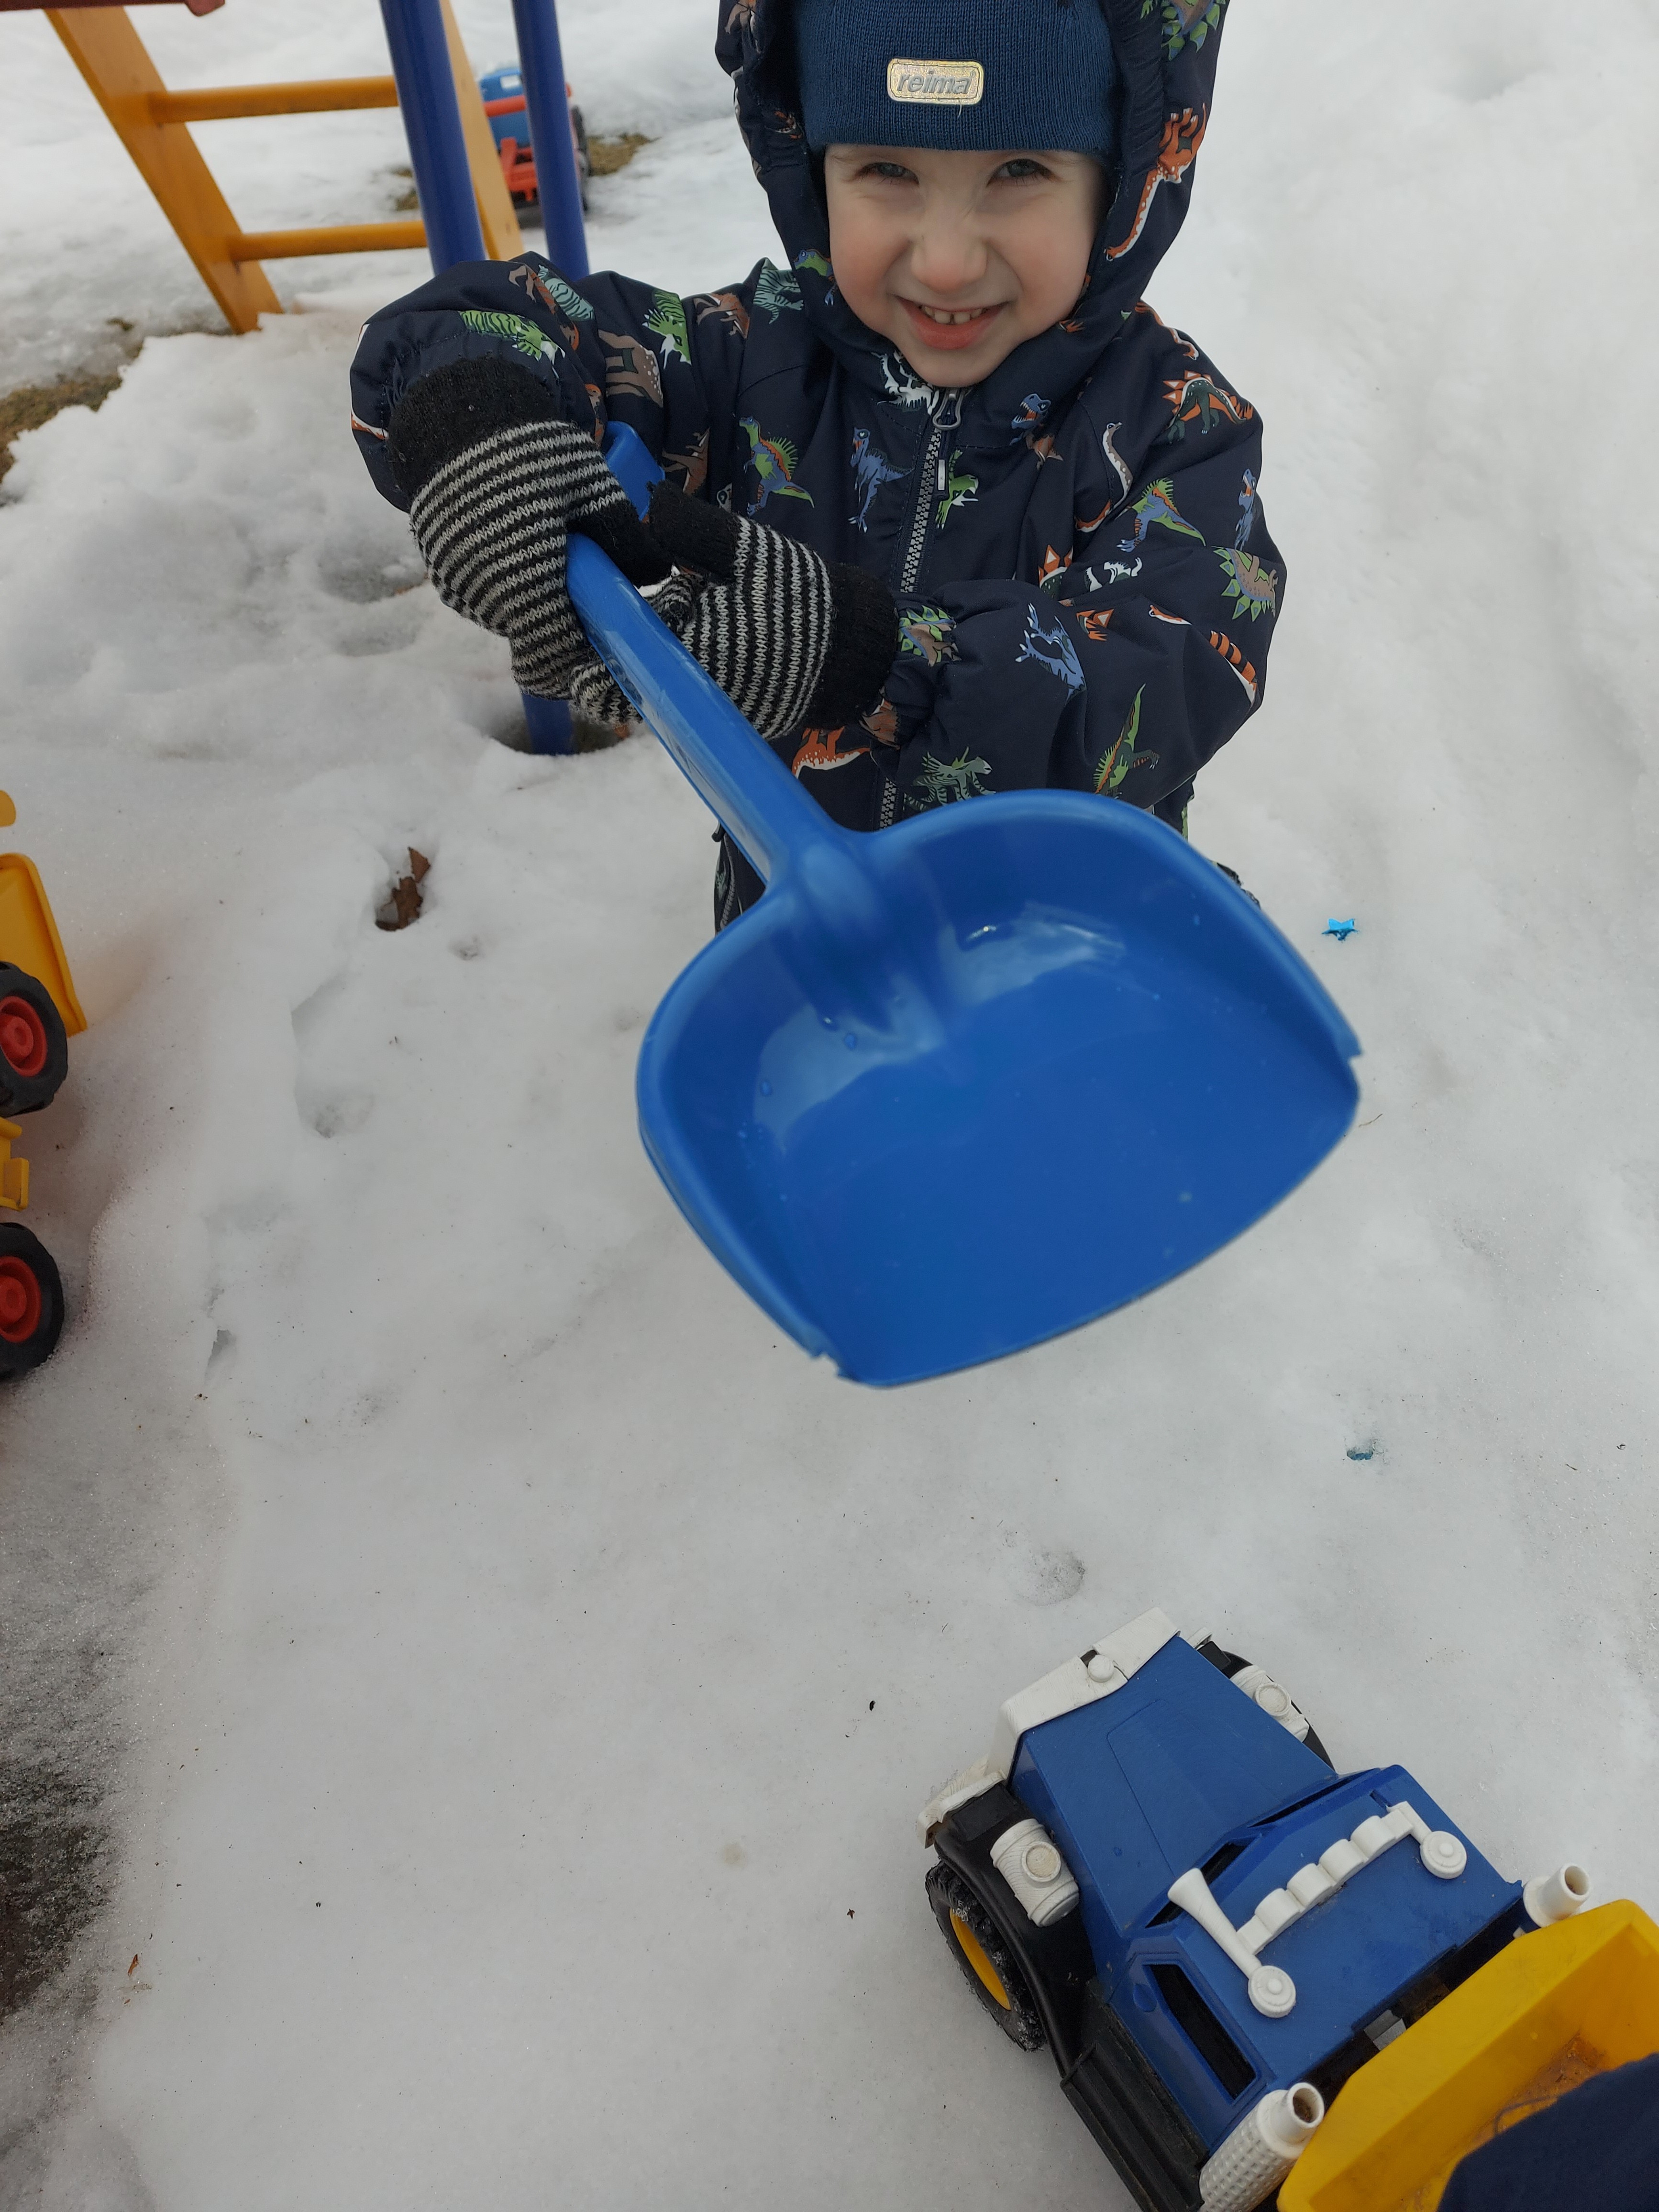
(959, 257)
(951, 328)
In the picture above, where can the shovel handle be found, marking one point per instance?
(724, 759)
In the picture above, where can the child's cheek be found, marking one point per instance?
(861, 253)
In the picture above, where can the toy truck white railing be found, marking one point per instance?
(1270, 1989)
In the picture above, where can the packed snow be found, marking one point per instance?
(487, 1676)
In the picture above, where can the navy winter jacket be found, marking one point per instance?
(1086, 581)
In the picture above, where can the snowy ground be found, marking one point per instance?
(500, 1672)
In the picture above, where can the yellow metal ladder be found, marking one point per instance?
(153, 125)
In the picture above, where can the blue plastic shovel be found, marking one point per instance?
(950, 1089)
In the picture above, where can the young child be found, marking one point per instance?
(955, 513)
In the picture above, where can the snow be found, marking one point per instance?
(503, 1673)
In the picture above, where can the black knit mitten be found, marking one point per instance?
(791, 640)
(495, 478)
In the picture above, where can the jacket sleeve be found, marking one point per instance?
(1124, 671)
(611, 349)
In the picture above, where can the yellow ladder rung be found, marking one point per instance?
(220, 103)
(330, 238)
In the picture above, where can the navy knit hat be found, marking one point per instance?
(978, 74)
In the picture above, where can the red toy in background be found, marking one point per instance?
(504, 102)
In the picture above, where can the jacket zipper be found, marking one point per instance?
(947, 418)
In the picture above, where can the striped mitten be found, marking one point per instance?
(495, 478)
(791, 638)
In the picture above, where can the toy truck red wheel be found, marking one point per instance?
(34, 1044)
(987, 1964)
(31, 1301)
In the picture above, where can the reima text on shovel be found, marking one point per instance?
(954, 1087)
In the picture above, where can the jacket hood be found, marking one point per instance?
(1166, 52)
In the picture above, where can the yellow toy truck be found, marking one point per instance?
(38, 1014)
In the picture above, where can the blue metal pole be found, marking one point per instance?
(432, 121)
(443, 179)
(542, 66)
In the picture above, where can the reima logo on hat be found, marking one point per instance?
(940, 84)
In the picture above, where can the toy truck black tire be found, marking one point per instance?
(31, 1301)
(988, 1964)
(34, 1044)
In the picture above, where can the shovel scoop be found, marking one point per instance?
(951, 1089)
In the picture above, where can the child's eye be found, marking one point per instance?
(1020, 168)
(895, 172)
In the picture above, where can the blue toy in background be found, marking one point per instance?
(501, 86)
(507, 102)
(950, 1090)
(1157, 1872)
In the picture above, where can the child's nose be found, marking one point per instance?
(947, 257)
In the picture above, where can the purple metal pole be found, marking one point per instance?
(542, 66)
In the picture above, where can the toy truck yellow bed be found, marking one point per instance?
(1553, 2009)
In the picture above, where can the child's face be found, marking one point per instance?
(959, 257)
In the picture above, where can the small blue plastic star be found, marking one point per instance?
(1339, 929)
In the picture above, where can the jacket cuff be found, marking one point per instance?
(456, 407)
(864, 637)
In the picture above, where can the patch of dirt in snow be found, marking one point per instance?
(54, 1869)
(32, 404)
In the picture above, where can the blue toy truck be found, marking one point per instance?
(506, 105)
(1159, 1873)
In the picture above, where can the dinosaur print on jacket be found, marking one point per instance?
(817, 264)
(666, 321)
(1187, 22)
(1120, 755)
(529, 338)
(774, 461)
(1198, 398)
(1119, 466)
(901, 382)
(1252, 585)
(820, 749)
(1235, 660)
(543, 283)
(942, 782)
(1053, 649)
(1246, 512)
(870, 469)
(630, 366)
(724, 306)
(961, 489)
(927, 632)
(776, 292)
(1053, 568)
(1156, 505)
(693, 467)
(1183, 135)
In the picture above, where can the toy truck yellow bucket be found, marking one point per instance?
(28, 935)
(1549, 2011)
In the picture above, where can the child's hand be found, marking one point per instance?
(789, 638)
(495, 478)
